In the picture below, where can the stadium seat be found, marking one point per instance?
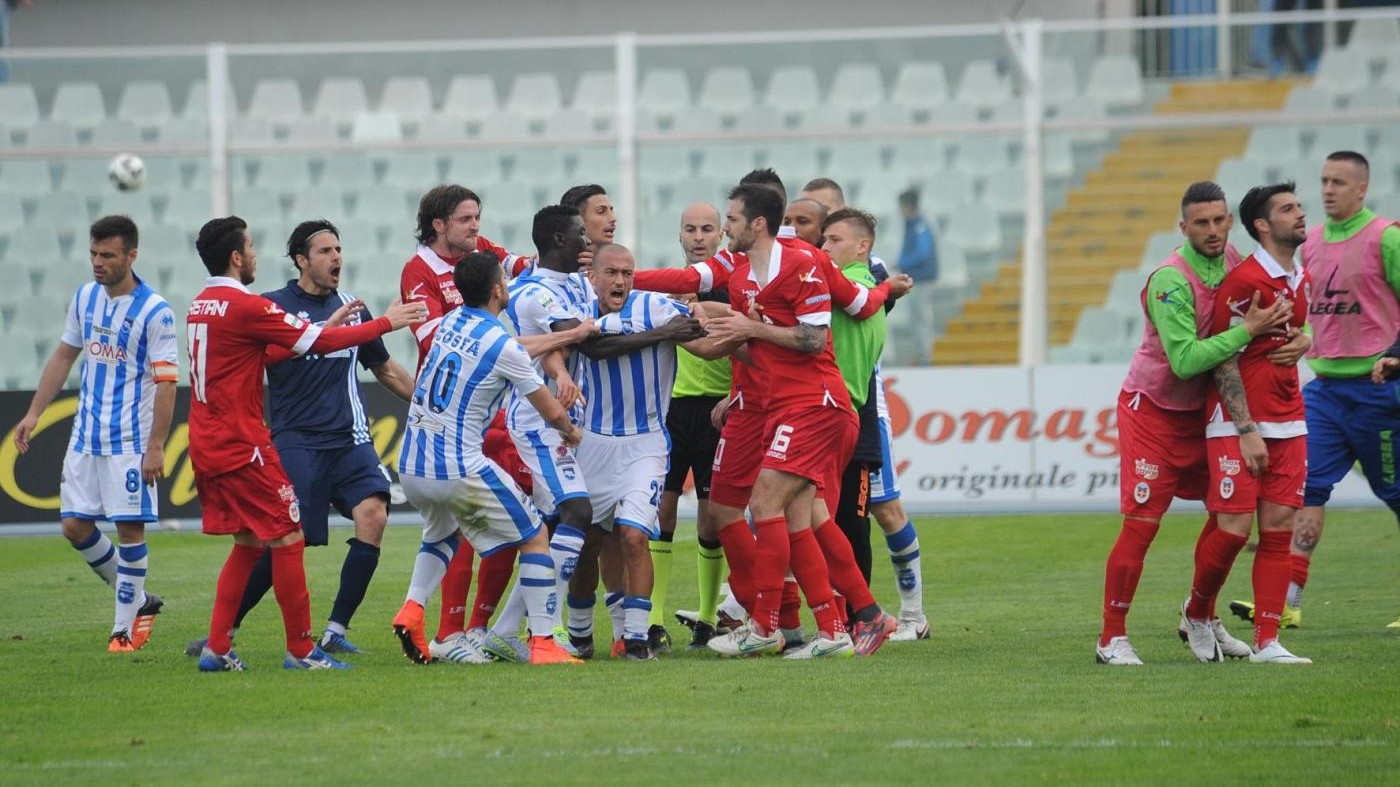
(250, 131)
(792, 89)
(341, 99)
(575, 124)
(953, 112)
(855, 159)
(65, 211)
(1341, 71)
(348, 171)
(276, 100)
(260, 207)
(857, 86)
(541, 167)
(1057, 156)
(727, 89)
(440, 128)
(1124, 294)
(1159, 246)
(920, 85)
(975, 230)
(824, 118)
(757, 120)
(197, 101)
(84, 175)
(513, 203)
(596, 93)
(1083, 108)
(1375, 97)
(383, 206)
(1238, 175)
(1060, 81)
(409, 97)
(795, 162)
(19, 359)
(116, 133)
(1005, 192)
(1336, 137)
(283, 172)
(1374, 37)
(696, 120)
(505, 127)
(664, 161)
(474, 167)
(11, 214)
(1100, 327)
(311, 131)
(1274, 145)
(136, 205)
(33, 244)
(982, 85)
(664, 91)
(1116, 82)
(19, 106)
(1313, 100)
(981, 155)
(408, 170)
(25, 177)
(876, 193)
(471, 97)
(890, 115)
(947, 193)
(597, 162)
(318, 202)
(1008, 111)
(145, 103)
(188, 210)
(78, 103)
(371, 127)
(358, 243)
(183, 131)
(918, 157)
(534, 96)
(52, 133)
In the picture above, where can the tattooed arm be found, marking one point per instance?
(1231, 385)
(804, 338)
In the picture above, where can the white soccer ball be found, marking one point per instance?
(127, 171)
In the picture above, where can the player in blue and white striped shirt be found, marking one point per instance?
(628, 448)
(125, 334)
(472, 362)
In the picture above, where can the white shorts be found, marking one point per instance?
(108, 488)
(884, 484)
(553, 466)
(627, 475)
(486, 504)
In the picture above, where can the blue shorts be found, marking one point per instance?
(884, 484)
(325, 477)
(1352, 420)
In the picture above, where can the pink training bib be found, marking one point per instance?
(1353, 311)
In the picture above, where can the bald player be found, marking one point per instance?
(699, 386)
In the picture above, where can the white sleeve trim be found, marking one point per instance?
(862, 298)
(707, 276)
(426, 329)
(818, 319)
(308, 338)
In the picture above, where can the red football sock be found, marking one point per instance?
(289, 584)
(738, 545)
(1206, 530)
(790, 612)
(228, 593)
(841, 566)
(1272, 565)
(1121, 575)
(771, 556)
(809, 567)
(456, 583)
(1300, 569)
(491, 580)
(1216, 556)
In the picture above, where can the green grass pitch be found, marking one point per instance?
(1006, 692)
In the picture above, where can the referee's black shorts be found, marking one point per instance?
(693, 443)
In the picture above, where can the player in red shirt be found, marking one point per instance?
(449, 223)
(238, 476)
(1256, 435)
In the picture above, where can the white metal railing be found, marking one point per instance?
(1024, 40)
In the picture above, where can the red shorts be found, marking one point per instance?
(1161, 455)
(257, 497)
(737, 458)
(1234, 491)
(815, 443)
(500, 448)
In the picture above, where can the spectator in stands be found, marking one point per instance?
(918, 257)
(1296, 48)
(6, 6)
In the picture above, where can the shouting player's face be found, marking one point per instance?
(1343, 189)
(111, 261)
(1206, 226)
(700, 233)
(844, 243)
(612, 278)
(740, 231)
(805, 217)
(458, 232)
(320, 268)
(1287, 224)
(599, 223)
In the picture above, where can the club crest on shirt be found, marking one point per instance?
(287, 493)
(1229, 466)
(1146, 469)
(1227, 488)
(293, 320)
(1142, 492)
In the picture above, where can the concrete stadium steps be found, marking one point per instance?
(1104, 224)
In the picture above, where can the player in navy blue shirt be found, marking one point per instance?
(321, 429)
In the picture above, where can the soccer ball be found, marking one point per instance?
(127, 172)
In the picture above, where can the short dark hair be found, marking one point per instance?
(1255, 204)
(475, 274)
(300, 240)
(218, 240)
(909, 197)
(1199, 192)
(550, 219)
(116, 227)
(765, 177)
(1353, 157)
(759, 201)
(817, 184)
(864, 221)
(439, 203)
(578, 196)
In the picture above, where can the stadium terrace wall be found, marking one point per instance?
(965, 440)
